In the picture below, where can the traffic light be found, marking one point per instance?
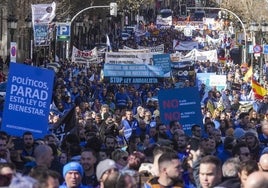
(113, 9)
(183, 10)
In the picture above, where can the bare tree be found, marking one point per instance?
(248, 10)
(132, 6)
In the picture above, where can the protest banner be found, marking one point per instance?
(84, 56)
(27, 101)
(182, 105)
(42, 16)
(128, 58)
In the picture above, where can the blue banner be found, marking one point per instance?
(204, 78)
(41, 35)
(211, 80)
(182, 105)
(28, 99)
(129, 80)
(163, 61)
(132, 70)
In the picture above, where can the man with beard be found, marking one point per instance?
(170, 172)
(196, 137)
(4, 152)
(254, 145)
(88, 161)
(174, 125)
(241, 151)
(182, 147)
(28, 149)
(162, 136)
(144, 124)
(109, 143)
(134, 161)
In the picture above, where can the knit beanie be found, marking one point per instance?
(73, 166)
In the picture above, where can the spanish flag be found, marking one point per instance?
(258, 90)
(248, 75)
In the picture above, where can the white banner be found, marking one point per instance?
(43, 13)
(212, 40)
(212, 24)
(164, 21)
(196, 55)
(130, 50)
(128, 58)
(42, 16)
(217, 80)
(154, 49)
(184, 45)
(84, 56)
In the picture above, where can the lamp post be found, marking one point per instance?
(254, 27)
(90, 42)
(258, 33)
(126, 20)
(263, 31)
(109, 22)
(79, 23)
(264, 28)
(12, 25)
(100, 22)
(28, 21)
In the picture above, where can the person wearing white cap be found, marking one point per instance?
(107, 173)
(73, 173)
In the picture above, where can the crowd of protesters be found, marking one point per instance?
(117, 138)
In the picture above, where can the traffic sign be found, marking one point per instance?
(257, 49)
(63, 31)
(265, 49)
(13, 52)
(250, 49)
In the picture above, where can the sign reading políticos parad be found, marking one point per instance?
(27, 101)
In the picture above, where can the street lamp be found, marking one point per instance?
(28, 21)
(253, 28)
(79, 23)
(264, 30)
(125, 10)
(109, 22)
(100, 22)
(90, 42)
(259, 31)
(12, 25)
(264, 27)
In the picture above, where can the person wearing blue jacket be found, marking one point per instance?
(73, 173)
